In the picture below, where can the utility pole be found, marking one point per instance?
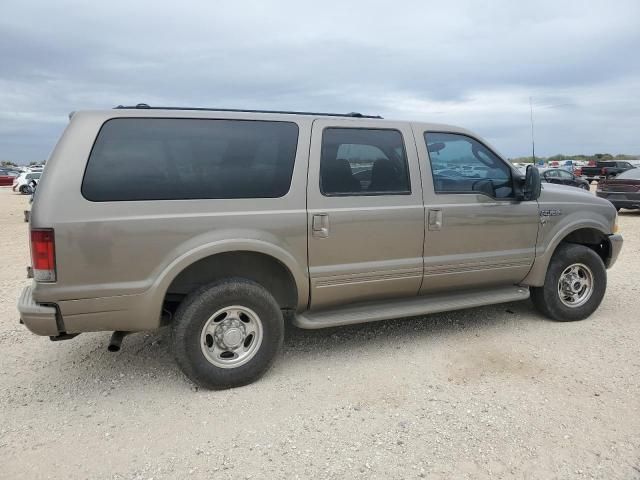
(533, 143)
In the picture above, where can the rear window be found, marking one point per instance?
(175, 159)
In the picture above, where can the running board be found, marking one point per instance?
(409, 307)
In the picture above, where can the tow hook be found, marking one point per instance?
(116, 340)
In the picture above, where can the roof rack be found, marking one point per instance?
(144, 106)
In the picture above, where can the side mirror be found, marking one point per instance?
(532, 184)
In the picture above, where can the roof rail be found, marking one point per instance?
(144, 106)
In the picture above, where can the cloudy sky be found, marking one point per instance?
(473, 64)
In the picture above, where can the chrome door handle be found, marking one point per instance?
(435, 219)
(320, 225)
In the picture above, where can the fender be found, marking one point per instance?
(170, 272)
(545, 249)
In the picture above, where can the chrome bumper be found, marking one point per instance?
(40, 319)
(616, 245)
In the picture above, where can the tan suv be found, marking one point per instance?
(218, 222)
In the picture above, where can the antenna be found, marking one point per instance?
(533, 143)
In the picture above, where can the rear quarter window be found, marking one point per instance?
(177, 159)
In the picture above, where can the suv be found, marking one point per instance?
(222, 223)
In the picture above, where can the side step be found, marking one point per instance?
(408, 307)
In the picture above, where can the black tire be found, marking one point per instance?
(547, 299)
(584, 186)
(25, 190)
(198, 307)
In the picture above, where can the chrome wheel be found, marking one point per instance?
(575, 285)
(231, 336)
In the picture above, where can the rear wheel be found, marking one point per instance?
(25, 190)
(227, 334)
(574, 286)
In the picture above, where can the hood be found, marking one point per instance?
(554, 192)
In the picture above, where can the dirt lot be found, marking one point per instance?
(496, 392)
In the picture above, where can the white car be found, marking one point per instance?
(21, 183)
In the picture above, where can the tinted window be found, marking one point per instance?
(461, 164)
(633, 174)
(363, 162)
(565, 175)
(171, 159)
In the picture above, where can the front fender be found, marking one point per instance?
(551, 236)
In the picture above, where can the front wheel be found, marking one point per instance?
(227, 334)
(574, 286)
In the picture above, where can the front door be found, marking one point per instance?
(365, 212)
(478, 235)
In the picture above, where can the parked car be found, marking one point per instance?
(22, 182)
(623, 191)
(562, 177)
(246, 216)
(7, 177)
(605, 169)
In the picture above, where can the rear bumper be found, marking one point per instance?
(40, 319)
(616, 245)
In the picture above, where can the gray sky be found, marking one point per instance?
(466, 63)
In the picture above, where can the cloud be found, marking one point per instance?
(465, 63)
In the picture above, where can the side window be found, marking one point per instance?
(175, 159)
(461, 164)
(563, 174)
(359, 161)
(551, 174)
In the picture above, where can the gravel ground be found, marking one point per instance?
(495, 392)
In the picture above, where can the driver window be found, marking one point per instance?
(461, 164)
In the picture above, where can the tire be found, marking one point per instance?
(25, 190)
(584, 187)
(567, 307)
(213, 315)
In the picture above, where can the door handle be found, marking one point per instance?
(435, 219)
(320, 225)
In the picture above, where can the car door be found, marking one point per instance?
(365, 212)
(478, 235)
(552, 176)
(566, 178)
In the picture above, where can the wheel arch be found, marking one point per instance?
(267, 264)
(592, 235)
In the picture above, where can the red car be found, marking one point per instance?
(7, 177)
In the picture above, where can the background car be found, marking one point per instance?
(623, 191)
(21, 183)
(562, 177)
(7, 177)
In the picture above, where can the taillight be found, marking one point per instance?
(43, 255)
(578, 172)
(603, 171)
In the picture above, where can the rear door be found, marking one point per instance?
(478, 235)
(365, 212)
